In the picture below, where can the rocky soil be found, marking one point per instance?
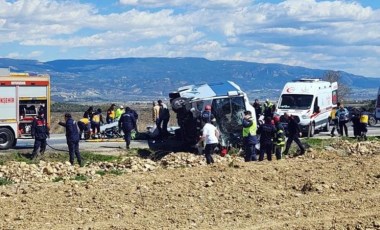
(334, 188)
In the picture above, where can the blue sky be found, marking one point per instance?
(337, 35)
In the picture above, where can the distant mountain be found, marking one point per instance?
(135, 79)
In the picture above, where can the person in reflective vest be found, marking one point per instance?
(364, 115)
(84, 125)
(110, 114)
(249, 137)
(97, 119)
(334, 119)
(268, 109)
(119, 112)
(279, 138)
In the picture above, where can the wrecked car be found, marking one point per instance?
(228, 103)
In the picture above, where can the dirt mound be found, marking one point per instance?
(180, 192)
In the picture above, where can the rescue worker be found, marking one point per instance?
(279, 139)
(163, 118)
(42, 109)
(127, 123)
(207, 116)
(258, 110)
(364, 116)
(267, 133)
(342, 115)
(89, 113)
(84, 126)
(72, 138)
(119, 112)
(268, 109)
(334, 119)
(294, 133)
(249, 137)
(355, 119)
(110, 114)
(97, 119)
(40, 132)
(210, 136)
(136, 115)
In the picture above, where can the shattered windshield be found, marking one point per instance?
(295, 101)
(229, 113)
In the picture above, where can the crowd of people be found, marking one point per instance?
(274, 139)
(125, 119)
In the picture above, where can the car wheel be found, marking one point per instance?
(7, 138)
(372, 121)
(327, 127)
(311, 130)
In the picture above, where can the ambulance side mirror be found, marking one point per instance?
(316, 109)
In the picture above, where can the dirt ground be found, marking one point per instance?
(308, 192)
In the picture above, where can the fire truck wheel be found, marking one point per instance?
(6, 138)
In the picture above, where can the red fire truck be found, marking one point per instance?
(21, 97)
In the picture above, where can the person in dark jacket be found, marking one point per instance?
(163, 118)
(294, 132)
(355, 119)
(279, 140)
(267, 133)
(40, 132)
(72, 138)
(127, 123)
(89, 113)
(207, 116)
(249, 137)
(258, 110)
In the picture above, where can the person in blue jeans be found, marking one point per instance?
(342, 115)
(72, 138)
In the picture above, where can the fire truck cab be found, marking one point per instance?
(21, 97)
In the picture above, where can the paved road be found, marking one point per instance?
(372, 131)
(58, 141)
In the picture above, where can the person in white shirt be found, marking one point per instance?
(210, 137)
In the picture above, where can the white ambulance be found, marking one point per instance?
(310, 101)
(21, 97)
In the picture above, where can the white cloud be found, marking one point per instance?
(319, 34)
(181, 39)
(194, 3)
